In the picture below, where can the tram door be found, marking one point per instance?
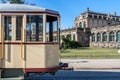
(10, 33)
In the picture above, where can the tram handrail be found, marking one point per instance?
(22, 56)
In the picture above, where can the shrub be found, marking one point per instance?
(74, 44)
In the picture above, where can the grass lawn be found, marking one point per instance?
(91, 53)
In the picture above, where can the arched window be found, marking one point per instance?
(76, 24)
(74, 37)
(80, 24)
(98, 37)
(118, 36)
(93, 37)
(111, 36)
(84, 24)
(104, 36)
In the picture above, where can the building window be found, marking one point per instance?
(104, 18)
(7, 28)
(118, 36)
(84, 24)
(117, 19)
(74, 37)
(98, 37)
(104, 37)
(34, 29)
(95, 16)
(80, 24)
(111, 36)
(90, 16)
(100, 17)
(93, 37)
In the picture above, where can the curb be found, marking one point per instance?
(97, 68)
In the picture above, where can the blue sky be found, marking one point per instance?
(69, 9)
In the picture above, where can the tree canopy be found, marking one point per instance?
(14, 1)
(68, 43)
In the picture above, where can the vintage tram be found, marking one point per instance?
(29, 39)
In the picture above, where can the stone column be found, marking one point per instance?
(95, 37)
(107, 36)
(76, 35)
(101, 37)
(90, 41)
(115, 36)
(87, 23)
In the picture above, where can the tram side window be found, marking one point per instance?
(34, 29)
(51, 29)
(7, 28)
(18, 27)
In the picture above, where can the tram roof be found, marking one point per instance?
(23, 8)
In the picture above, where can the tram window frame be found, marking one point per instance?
(51, 29)
(19, 27)
(34, 33)
(7, 27)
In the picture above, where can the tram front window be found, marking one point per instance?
(34, 29)
(51, 29)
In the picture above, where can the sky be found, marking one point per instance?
(69, 9)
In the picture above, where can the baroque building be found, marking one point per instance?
(96, 29)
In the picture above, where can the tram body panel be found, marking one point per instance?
(12, 56)
(17, 60)
(52, 56)
(41, 56)
(35, 56)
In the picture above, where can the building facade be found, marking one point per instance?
(96, 29)
(108, 36)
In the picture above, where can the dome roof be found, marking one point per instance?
(23, 8)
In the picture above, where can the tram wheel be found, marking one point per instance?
(26, 75)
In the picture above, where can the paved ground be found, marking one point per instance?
(93, 63)
(81, 75)
(85, 69)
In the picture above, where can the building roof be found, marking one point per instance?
(68, 29)
(23, 8)
(99, 13)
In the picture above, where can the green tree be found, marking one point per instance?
(14, 1)
(68, 43)
(65, 42)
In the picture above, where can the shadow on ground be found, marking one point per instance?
(79, 75)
